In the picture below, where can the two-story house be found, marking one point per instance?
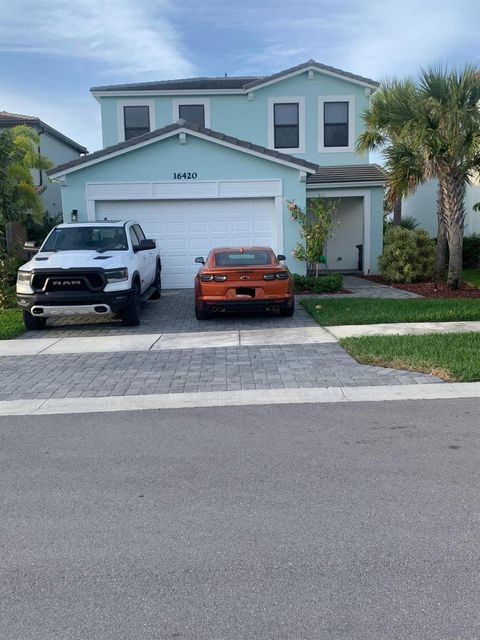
(206, 162)
(56, 146)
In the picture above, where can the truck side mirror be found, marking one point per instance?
(281, 257)
(200, 260)
(31, 247)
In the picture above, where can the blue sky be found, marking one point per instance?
(53, 51)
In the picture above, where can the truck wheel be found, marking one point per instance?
(157, 285)
(131, 314)
(33, 323)
(200, 314)
(287, 312)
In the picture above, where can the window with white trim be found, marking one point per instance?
(336, 124)
(286, 124)
(136, 121)
(194, 110)
(194, 113)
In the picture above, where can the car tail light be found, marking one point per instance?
(282, 275)
(206, 278)
(269, 276)
(219, 278)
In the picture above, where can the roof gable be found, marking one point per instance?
(177, 128)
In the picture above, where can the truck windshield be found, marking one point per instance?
(87, 239)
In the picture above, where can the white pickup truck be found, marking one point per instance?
(92, 268)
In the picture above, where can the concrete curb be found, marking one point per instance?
(240, 398)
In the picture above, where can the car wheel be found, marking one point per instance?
(33, 323)
(157, 284)
(287, 312)
(200, 314)
(131, 314)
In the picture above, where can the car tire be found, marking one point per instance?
(200, 314)
(131, 314)
(287, 312)
(33, 323)
(157, 284)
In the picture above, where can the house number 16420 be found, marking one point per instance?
(185, 175)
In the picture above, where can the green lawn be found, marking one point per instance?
(454, 357)
(472, 276)
(373, 310)
(11, 323)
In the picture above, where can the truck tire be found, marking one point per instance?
(157, 284)
(131, 314)
(33, 323)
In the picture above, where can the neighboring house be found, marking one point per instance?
(57, 147)
(422, 206)
(206, 162)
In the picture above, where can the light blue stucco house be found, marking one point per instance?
(206, 162)
(56, 146)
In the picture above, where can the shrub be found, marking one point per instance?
(408, 255)
(323, 284)
(471, 251)
(8, 275)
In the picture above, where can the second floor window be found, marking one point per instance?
(335, 123)
(194, 113)
(286, 125)
(137, 121)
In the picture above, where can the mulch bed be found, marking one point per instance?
(430, 289)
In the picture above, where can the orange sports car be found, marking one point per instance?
(243, 279)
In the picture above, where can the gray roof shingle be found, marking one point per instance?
(358, 173)
(229, 83)
(181, 124)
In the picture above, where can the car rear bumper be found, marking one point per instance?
(247, 305)
(74, 303)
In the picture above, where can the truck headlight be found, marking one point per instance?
(24, 277)
(116, 275)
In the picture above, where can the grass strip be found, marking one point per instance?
(373, 310)
(11, 323)
(472, 276)
(454, 357)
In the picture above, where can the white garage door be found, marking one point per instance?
(185, 229)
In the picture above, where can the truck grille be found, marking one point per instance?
(68, 281)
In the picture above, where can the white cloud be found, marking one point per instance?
(125, 37)
(369, 37)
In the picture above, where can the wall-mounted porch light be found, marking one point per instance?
(74, 215)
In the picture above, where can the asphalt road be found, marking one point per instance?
(339, 522)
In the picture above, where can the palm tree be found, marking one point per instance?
(431, 129)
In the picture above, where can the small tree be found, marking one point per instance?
(315, 227)
(19, 154)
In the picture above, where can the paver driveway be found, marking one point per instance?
(217, 368)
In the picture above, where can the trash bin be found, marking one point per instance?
(360, 257)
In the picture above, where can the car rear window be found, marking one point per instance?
(243, 259)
